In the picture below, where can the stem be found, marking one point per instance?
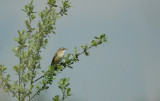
(34, 68)
(84, 51)
(11, 91)
(64, 96)
(38, 79)
(19, 77)
(34, 94)
(28, 98)
(29, 42)
(19, 86)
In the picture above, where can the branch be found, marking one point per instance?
(38, 79)
(35, 94)
(84, 51)
(63, 63)
(19, 85)
(94, 43)
(11, 90)
(53, 75)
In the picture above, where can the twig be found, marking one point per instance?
(35, 94)
(19, 85)
(11, 91)
(19, 75)
(38, 79)
(55, 75)
(84, 51)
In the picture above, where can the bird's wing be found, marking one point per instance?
(53, 60)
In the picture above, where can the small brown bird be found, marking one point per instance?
(58, 56)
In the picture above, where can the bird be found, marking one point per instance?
(58, 57)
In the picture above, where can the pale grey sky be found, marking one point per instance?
(125, 69)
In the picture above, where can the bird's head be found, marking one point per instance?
(61, 50)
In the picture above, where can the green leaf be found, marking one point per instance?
(37, 86)
(75, 50)
(16, 39)
(19, 33)
(70, 66)
(67, 84)
(56, 98)
(24, 10)
(31, 87)
(68, 91)
(2, 68)
(96, 37)
(68, 55)
(84, 47)
(23, 32)
(64, 80)
(104, 38)
(53, 32)
(46, 87)
(60, 87)
(94, 43)
(33, 16)
(87, 53)
(41, 15)
(8, 76)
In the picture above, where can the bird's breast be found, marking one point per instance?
(60, 55)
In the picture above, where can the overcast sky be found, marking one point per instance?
(127, 68)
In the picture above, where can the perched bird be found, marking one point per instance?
(58, 56)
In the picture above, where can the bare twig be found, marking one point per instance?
(38, 79)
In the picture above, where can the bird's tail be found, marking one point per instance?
(52, 64)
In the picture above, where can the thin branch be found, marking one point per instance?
(19, 78)
(84, 51)
(54, 74)
(29, 42)
(38, 79)
(77, 55)
(19, 85)
(35, 94)
(64, 96)
(11, 90)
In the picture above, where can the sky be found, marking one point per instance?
(127, 68)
